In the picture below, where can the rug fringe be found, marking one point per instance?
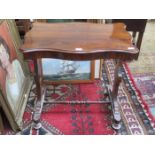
(144, 104)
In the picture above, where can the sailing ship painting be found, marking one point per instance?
(68, 67)
(56, 70)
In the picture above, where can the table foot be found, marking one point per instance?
(115, 108)
(36, 125)
(116, 125)
(37, 112)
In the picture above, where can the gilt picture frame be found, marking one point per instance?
(15, 79)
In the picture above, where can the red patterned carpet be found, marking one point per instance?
(71, 119)
(90, 119)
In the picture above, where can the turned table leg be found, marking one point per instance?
(40, 93)
(115, 105)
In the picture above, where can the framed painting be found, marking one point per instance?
(64, 71)
(15, 81)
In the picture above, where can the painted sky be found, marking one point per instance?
(53, 66)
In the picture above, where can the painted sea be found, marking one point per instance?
(76, 76)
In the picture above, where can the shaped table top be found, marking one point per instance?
(79, 41)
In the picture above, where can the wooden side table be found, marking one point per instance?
(78, 41)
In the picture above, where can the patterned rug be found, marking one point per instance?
(146, 84)
(72, 119)
(90, 119)
(134, 113)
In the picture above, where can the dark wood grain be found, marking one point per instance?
(62, 41)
